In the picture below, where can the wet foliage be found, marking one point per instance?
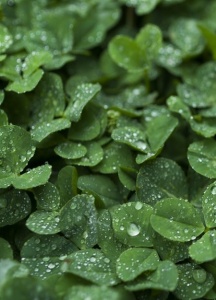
(107, 149)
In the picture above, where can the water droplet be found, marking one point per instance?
(213, 190)
(46, 258)
(51, 266)
(73, 205)
(133, 230)
(199, 275)
(122, 228)
(92, 259)
(54, 247)
(106, 260)
(22, 158)
(85, 234)
(138, 205)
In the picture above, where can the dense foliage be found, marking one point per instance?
(107, 149)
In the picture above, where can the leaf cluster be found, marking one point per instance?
(107, 149)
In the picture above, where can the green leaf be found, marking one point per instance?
(15, 206)
(41, 131)
(160, 178)
(44, 254)
(47, 104)
(70, 150)
(90, 32)
(3, 118)
(93, 156)
(201, 125)
(44, 35)
(115, 155)
(2, 95)
(34, 60)
(126, 53)
(201, 156)
(67, 183)
(26, 84)
(78, 221)
(59, 61)
(11, 269)
(44, 222)
(203, 250)
(87, 128)
(177, 220)
(169, 56)
(131, 136)
(101, 187)
(16, 149)
(80, 292)
(32, 178)
(170, 250)
(149, 40)
(142, 7)
(210, 38)
(107, 240)
(26, 288)
(193, 96)
(131, 223)
(11, 67)
(5, 38)
(135, 261)
(80, 95)
(159, 130)
(185, 34)
(5, 250)
(176, 105)
(208, 205)
(47, 197)
(127, 176)
(194, 282)
(93, 265)
(164, 278)
(196, 187)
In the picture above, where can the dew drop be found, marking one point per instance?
(22, 158)
(138, 205)
(213, 190)
(92, 259)
(133, 230)
(106, 260)
(73, 205)
(51, 266)
(199, 275)
(122, 228)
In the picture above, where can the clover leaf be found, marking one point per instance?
(6, 250)
(99, 269)
(160, 178)
(77, 221)
(176, 220)
(194, 282)
(165, 277)
(131, 224)
(5, 39)
(15, 206)
(135, 261)
(201, 156)
(44, 254)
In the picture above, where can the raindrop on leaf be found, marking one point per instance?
(199, 275)
(133, 230)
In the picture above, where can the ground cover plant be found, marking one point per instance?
(107, 149)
